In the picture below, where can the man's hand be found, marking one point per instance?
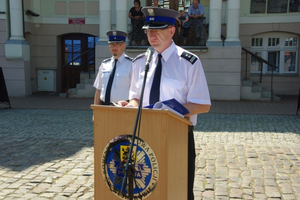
(122, 103)
(129, 105)
(132, 103)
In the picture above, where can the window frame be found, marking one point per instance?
(265, 7)
(281, 48)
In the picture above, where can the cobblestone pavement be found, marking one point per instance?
(248, 157)
(48, 154)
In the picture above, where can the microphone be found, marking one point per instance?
(149, 54)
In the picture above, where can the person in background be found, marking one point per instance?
(114, 77)
(183, 26)
(155, 3)
(173, 73)
(195, 13)
(137, 22)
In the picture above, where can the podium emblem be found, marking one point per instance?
(145, 171)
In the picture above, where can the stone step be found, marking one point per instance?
(80, 86)
(81, 91)
(86, 75)
(72, 91)
(247, 94)
(247, 83)
(276, 98)
(89, 81)
(256, 87)
(253, 91)
(265, 94)
(63, 95)
(88, 92)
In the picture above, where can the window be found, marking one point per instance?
(184, 5)
(174, 4)
(277, 6)
(258, 6)
(164, 3)
(280, 49)
(257, 42)
(273, 58)
(294, 6)
(73, 49)
(273, 42)
(292, 42)
(274, 6)
(289, 61)
(91, 54)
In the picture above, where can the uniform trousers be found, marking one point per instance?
(191, 162)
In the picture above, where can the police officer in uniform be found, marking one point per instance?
(113, 80)
(180, 76)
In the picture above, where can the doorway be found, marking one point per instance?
(78, 55)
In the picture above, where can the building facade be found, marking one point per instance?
(59, 45)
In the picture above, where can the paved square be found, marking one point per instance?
(48, 154)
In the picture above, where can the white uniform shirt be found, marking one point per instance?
(122, 78)
(181, 78)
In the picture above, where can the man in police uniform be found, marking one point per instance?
(113, 80)
(181, 76)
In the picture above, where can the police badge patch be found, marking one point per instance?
(146, 169)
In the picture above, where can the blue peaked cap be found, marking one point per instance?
(115, 36)
(158, 18)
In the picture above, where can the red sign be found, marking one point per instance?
(76, 20)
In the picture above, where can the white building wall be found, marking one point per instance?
(221, 64)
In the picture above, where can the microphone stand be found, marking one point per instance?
(130, 166)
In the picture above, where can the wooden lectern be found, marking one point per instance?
(164, 131)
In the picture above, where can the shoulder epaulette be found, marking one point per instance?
(129, 58)
(106, 60)
(139, 56)
(189, 57)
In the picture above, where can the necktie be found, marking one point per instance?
(154, 92)
(109, 84)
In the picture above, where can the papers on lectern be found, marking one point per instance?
(172, 104)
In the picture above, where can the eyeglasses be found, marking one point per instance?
(116, 44)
